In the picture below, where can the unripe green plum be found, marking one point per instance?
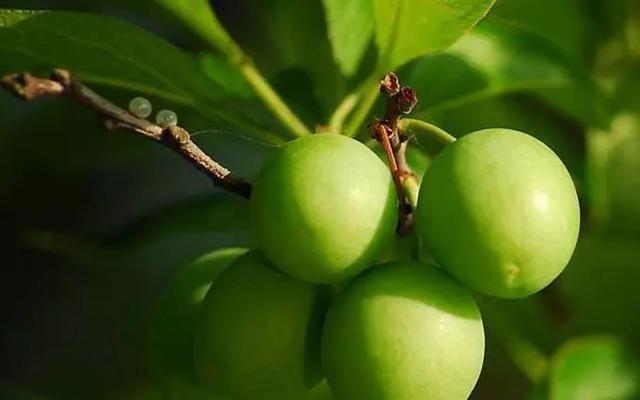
(499, 211)
(173, 323)
(403, 331)
(324, 208)
(259, 333)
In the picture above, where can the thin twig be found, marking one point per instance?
(62, 84)
(367, 94)
(271, 98)
(214, 33)
(341, 112)
(400, 100)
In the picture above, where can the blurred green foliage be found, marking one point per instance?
(593, 368)
(97, 225)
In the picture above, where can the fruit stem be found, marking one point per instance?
(265, 92)
(207, 25)
(342, 111)
(368, 93)
(408, 178)
(400, 100)
(381, 133)
(417, 127)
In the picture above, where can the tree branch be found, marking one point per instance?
(400, 100)
(62, 84)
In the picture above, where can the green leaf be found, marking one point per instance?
(350, 25)
(102, 50)
(495, 59)
(406, 29)
(296, 87)
(201, 215)
(628, 86)
(9, 18)
(571, 24)
(219, 70)
(200, 18)
(581, 101)
(597, 299)
(295, 36)
(106, 51)
(524, 114)
(592, 368)
(94, 257)
(539, 391)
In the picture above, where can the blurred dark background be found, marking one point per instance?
(95, 224)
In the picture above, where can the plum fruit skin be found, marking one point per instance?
(498, 210)
(323, 208)
(175, 317)
(259, 332)
(403, 331)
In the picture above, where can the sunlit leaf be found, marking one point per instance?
(296, 36)
(200, 215)
(571, 24)
(406, 29)
(350, 25)
(199, 17)
(218, 69)
(103, 50)
(495, 59)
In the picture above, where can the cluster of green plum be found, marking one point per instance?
(497, 214)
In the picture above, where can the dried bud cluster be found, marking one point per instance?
(390, 84)
(402, 97)
(407, 99)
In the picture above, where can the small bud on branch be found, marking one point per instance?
(400, 100)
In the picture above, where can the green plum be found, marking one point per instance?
(324, 208)
(173, 322)
(499, 211)
(403, 331)
(259, 333)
